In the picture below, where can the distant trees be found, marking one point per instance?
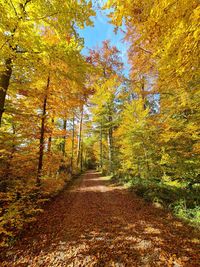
(107, 85)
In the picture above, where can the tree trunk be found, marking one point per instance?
(110, 144)
(50, 138)
(101, 146)
(81, 156)
(42, 132)
(72, 151)
(143, 94)
(4, 83)
(80, 139)
(64, 137)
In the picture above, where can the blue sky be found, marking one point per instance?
(101, 31)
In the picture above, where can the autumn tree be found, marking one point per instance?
(164, 48)
(109, 77)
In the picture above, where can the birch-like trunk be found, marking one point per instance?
(110, 144)
(101, 146)
(64, 137)
(80, 139)
(72, 149)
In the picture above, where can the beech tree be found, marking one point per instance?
(30, 17)
(40, 49)
(108, 80)
(164, 47)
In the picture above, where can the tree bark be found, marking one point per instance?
(42, 132)
(64, 137)
(72, 151)
(50, 139)
(101, 146)
(143, 94)
(80, 139)
(81, 156)
(4, 83)
(110, 144)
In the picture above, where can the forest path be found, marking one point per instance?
(98, 224)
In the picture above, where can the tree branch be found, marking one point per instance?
(14, 8)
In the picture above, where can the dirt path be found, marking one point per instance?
(97, 224)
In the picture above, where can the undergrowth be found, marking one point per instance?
(183, 202)
(21, 203)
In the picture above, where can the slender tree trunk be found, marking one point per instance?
(143, 94)
(50, 138)
(4, 83)
(49, 146)
(81, 159)
(42, 132)
(64, 137)
(80, 138)
(110, 144)
(101, 145)
(49, 143)
(72, 151)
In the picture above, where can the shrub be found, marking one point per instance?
(184, 203)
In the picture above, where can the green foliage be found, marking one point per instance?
(184, 202)
(191, 214)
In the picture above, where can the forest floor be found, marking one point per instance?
(96, 223)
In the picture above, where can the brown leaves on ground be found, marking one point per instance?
(97, 224)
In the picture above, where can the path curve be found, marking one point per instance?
(98, 224)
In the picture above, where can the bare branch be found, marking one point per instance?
(146, 51)
(14, 8)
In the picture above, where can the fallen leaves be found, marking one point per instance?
(91, 225)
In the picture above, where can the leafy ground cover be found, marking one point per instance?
(182, 201)
(97, 223)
